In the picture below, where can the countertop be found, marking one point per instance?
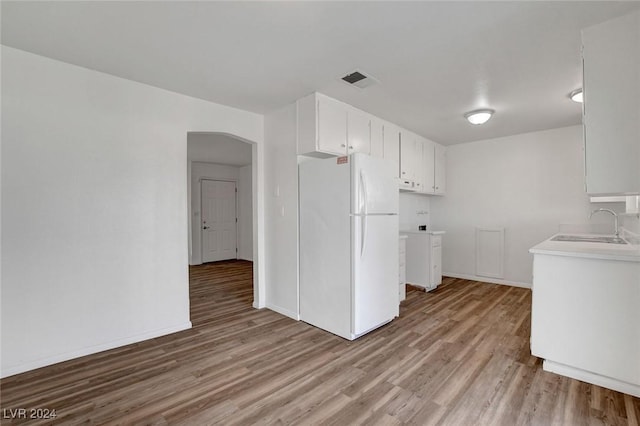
(627, 252)
(422, 232)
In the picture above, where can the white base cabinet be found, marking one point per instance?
(402, 270)
(424, 259)
(585, 319)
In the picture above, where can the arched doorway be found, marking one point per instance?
(225, 160)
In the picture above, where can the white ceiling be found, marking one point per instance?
(217, 148)
(434, 60)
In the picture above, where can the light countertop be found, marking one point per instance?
(626, 252)
(422, 232)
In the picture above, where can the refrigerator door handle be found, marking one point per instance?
(363, 234)
(363, 190)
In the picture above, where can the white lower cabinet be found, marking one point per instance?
(424, 259)
(436, 260)
(402, 270)
(585, 319)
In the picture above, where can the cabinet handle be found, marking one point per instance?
(342, 145)
(350, 147)
(437, 187)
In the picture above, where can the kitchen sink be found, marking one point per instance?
(589, 239)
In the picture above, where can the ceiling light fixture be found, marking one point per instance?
(576, 95)
(479, 116)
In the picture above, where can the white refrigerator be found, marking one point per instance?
(348, 244)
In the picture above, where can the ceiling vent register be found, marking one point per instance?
(359, 80)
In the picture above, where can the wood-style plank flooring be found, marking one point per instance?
(457, 356)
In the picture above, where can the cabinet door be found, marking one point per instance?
(391, 144)
(332, 126)
(439, 165)
(611, 58)
(358, 132)
(407, 154)
(436, 266)
(377, 142)
(428, 160)
(418, 163)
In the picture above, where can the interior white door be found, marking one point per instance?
(219, 240)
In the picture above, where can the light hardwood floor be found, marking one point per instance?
(457, 356)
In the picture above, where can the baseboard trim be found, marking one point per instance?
(283, 311)
(589, 377)
(487, 280)
(11, 371)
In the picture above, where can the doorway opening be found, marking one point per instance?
(222, 214)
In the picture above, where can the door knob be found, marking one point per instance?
(205, 227)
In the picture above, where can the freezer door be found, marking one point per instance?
(373, 186)
(374, 255)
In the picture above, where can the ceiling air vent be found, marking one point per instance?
(359, 79)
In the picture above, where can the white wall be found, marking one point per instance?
(631, 223)
(94, 199)
(242, 177)
(281, 203)
(528, 184)
(218, 148)
(414, 211)
(245, 214)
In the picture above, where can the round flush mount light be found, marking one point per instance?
(576, 95)
(479, 116)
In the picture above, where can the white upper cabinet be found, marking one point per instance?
(332, 124)
(410, 161)
(358, 131)
(611, 82)
(433, 167)
(428, 161)
(440, 161)
(377, 138)
(327, 127)
(391, 144)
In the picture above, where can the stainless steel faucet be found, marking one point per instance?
(615, 217)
